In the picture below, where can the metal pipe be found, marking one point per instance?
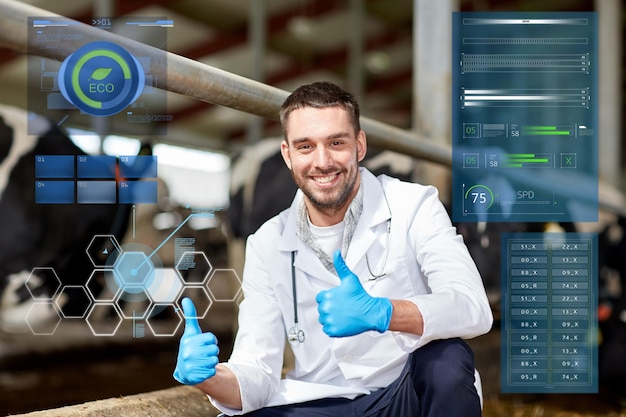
(610, 40)
(212, 85)
(257, 40)
(356, 36)
(204, 82)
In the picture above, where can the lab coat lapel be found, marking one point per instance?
(306, 259)
(375, 211)
(308, 262)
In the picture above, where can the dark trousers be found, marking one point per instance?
(437, 381)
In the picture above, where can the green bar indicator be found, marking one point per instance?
(546, 130)
(556, 132)
(531, 160)
(539, 127)
(526, 160)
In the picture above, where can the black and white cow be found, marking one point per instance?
(41, 235)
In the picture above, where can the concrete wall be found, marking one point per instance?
(173, 402)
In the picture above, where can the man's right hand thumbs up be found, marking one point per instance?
(197, 352)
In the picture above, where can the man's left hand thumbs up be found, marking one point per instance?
(348, 309)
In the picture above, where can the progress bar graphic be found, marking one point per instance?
(526, 160)
(526, 97)
(525, 63)
(546, 130)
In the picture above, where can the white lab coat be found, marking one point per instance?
(427, 263)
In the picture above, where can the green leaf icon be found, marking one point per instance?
(100, 74)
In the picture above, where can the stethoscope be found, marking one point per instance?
(295, 335)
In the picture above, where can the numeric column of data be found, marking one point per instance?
(549, 321)
(528, 312)
(570, 339)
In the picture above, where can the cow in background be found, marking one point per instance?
(41, 235)
(612, 307)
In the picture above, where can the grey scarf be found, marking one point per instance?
(351, 218)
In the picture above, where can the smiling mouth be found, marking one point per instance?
(325, 179)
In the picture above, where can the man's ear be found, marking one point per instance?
(284, 151)
(361, 145)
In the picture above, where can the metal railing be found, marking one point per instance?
(212, 85)
(204, 82)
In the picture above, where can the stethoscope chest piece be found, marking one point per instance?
(295, 335)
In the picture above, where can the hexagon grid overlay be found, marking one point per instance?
(103, 251)
(81, 301)
(194, 267)
(165, 286)
(134, 270)
(102, 286)
(126, 284)
(43, 318)
(35, 287)
(200, 298)
(101, 327)
(224, 285)
(164, 328)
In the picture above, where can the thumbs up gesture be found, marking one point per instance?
(348, 309)
(197, 352)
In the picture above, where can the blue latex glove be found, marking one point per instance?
(348, 309)
(197, 352)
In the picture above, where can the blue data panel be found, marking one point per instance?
(54, 192)
(138, 192)
(54, 166)
(143, 166)
(95, 192)
(99, 166)
(549, 321)
(525, 117)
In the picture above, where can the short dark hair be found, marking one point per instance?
(321, 95)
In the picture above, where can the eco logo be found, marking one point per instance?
(101, 78)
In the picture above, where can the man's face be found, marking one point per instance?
(323, 151)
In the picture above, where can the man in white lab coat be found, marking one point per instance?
(379, 334)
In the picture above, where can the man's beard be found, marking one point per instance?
(341, 195)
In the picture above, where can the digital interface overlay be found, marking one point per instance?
(525, 124)
(103, 87)
(98, 78)
(95, 179)
(133, 273)
(549, 324)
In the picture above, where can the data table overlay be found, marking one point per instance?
(549, 313)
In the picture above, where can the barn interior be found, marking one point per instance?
(394, 55)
